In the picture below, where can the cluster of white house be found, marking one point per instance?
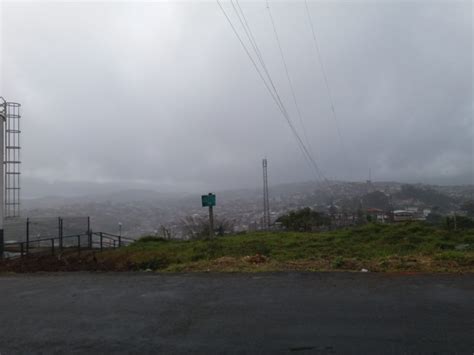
(409, 214)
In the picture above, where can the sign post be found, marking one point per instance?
(209, 200)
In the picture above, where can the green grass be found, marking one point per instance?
(404, 247)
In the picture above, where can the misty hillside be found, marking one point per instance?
(145, 211)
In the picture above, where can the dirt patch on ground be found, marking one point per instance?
(255, 259)
(226, 261)
(87, 261)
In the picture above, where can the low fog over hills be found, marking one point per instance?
(146, 211)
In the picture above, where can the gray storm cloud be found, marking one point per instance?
(162, 93)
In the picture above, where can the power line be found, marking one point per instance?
(306, 152)
(254, 43)
(275, 96)
(247, 29)
(326, 81)
(290, 83)
(246, 51)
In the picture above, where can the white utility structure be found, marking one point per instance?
(9, 164)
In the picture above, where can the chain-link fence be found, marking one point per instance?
(35, 228)
(25, 236)
(75, 226)
(15, 229)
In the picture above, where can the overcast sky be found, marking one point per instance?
(162, 94)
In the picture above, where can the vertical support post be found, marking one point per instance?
(79, 244)
(266, 201)
(89, 232)
(60, 233)
(101, 241)
(209, 200)
(27, 235)
(211, 222)
(120, 241)
(22, 249)
(89, 239)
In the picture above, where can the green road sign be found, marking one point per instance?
(208, 200)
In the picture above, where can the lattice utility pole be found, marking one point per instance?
(266, 200)
(9, 164)
(3, 114)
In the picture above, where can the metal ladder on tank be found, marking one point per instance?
(12, 160)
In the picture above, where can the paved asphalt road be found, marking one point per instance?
(328, 313)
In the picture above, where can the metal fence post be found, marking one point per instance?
(89, 232)
(89, 239)
(119, 241)
(27, 235)
(21, 249)
(60, 232)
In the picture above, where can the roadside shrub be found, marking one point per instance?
(458, 257)
(197, 227)
(337, 262)
(214, 249)
(255, 247)
(151, 239)
(461, 222)
(414, 239)
(444, 246)
(304, 220)
(207, 249)
(407, 247)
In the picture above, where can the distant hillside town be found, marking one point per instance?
(136, 213)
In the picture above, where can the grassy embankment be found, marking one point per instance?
(400, 248)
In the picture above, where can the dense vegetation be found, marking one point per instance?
(403, 247)
(426, 195)
(376, 199)
(416, 247)
(468, 207)
(304, 220)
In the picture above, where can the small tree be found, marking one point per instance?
(468, 207)
(165, 233)
(360, 216)
(434, 218)
(197, 227)
(376, 199)
(459, 222)
(304, 220)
